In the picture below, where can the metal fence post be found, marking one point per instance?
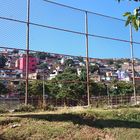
(27, 51)
(87, 57)
(44, 100)
(132, 58)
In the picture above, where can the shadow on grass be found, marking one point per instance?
(82, 119)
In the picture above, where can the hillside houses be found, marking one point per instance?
(50, 65)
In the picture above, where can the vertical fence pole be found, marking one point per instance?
(132, 58)
(44, 101)
(27, 51)
(87, 57)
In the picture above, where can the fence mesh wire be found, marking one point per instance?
(58, 45)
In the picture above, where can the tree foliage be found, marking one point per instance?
(110, 62)
(43, 66)
(83, 75)
(117, 65)
(36, 88)
(15, 51)
(21, 88)
(3, 61)
(120, 88)
(53, 88)
(98, 89)
(133, 18)
(92, 70)
(130, 0)
(70, 70)
(3, 89)
(42, 56)
(69, 63)
(81, 59)
(68, 86)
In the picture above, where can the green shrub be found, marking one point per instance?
(3, 110)
(49, 108)
(7, 121)
(25, 108)
(127, 114)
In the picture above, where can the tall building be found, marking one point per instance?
(32, 64)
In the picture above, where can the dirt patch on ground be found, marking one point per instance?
(87, 132)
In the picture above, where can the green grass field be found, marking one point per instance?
(69, 124)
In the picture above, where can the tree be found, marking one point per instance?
(69, 63)
(42, 56)
(110, 62)
(83, 75)
(3, 61)
(53, 87)
(81, 59)
(15, 51)
(97, 89)
(36, 88)
(133, 18)
(43, 66)
(130, 0)
(3, 89)
(69, 86)
(117, 65)
(21, 88)
(125, 88)
(70, 70)
(121, 88)
(94, 68)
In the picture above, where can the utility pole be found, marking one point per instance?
(132, 59)
(27, 51)
(87, 57)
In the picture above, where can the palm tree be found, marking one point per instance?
(133, 19)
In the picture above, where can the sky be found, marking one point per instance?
(13, 34)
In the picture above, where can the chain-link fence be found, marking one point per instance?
(46, 58)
